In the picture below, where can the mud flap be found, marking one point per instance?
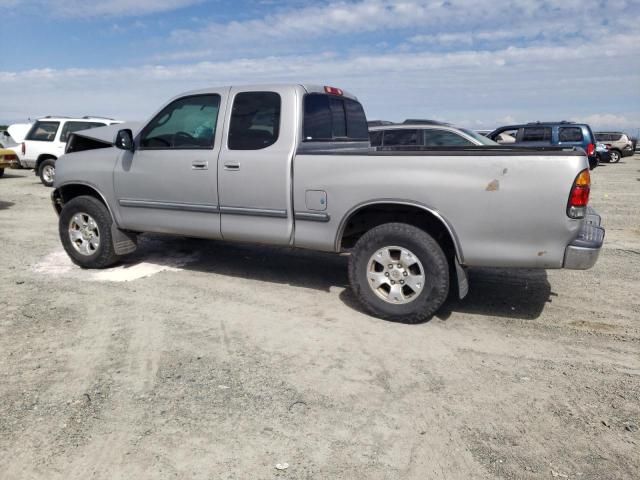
(463, 280)
(123, 242)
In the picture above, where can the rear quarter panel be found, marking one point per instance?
(506, 211)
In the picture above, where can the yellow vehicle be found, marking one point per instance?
(8, 159)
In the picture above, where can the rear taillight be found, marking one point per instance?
(591, 149)
(11, 157)
(579, 196)
(24, 148)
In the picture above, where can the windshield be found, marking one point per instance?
(480, 138)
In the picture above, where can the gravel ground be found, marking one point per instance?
(219, 361)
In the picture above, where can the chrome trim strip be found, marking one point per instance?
(256, 212)
(205, 208)
(312, 216)
(187, 207)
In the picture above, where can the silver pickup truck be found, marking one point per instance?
(292, 165)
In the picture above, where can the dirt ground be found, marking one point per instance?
(219, 361)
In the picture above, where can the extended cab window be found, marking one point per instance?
(43, 131)
(401, 136)
(443, 138)
(255, 121)
(331, 118)
(536, 134)
(71, 127)
(189, 122)
(570, 134)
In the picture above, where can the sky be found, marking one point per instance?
(476, 63)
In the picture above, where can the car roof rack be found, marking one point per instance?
(378, 123)
(55, 116)
(548, 123)
(86, 117)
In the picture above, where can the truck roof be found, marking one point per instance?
(309, 88)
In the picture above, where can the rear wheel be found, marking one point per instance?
(615, 156)
(85, 232)
(47, 172)
(399, 272)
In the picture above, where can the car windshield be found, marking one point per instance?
(480, 138)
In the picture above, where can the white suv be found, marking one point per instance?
(47, 140)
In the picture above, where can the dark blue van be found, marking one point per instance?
(544, 134)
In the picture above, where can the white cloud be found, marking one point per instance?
(448, 21)
(601, 121)
(540, 61)
(470, 87)
(98, 8)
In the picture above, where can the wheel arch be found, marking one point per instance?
(43, 157)
(370, 214)
(68, 191)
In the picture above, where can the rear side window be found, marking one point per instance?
(72, 127)
(506, 136)
(43, 131)
(444, 138)
(404, 136)
(329, 118)
(570, 134)
(375, 138)
(536, 134)
(255, 121)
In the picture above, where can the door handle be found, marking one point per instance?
(232, 165)
(199, 165)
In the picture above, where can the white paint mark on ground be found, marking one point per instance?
(59, 264)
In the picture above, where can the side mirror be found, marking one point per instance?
(124, 140)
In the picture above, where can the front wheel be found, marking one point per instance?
(85, 232)
(615, 156)
(47, 172)
(399, 272)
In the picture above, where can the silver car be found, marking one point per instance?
(620, 145)
(424, 133)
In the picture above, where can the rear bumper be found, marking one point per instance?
(8, 164)
(583, 252)
(628, 151)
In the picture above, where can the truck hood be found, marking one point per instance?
(108, 134)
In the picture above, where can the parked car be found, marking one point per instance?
(602, 150)
(427, 133)
(46, 141)
(620, 145)
(12, 138)
(292, 165)
(561, 134)
(8, 159)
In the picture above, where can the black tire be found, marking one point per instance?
(420, 244)
(615, 156)
(46, 164)
(105, 255)
(1, 172)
